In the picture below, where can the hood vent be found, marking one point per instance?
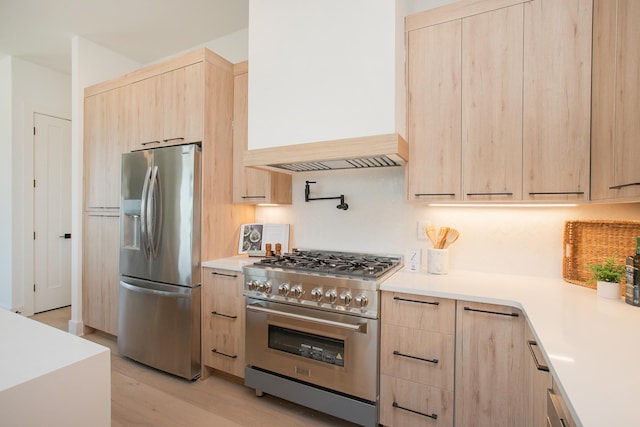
(354, 153)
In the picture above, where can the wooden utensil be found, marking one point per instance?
(430, 231)
(442, 237)
(452, 236)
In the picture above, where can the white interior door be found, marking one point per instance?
(52, 213)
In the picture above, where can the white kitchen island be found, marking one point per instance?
(592, 344)
(51, 378)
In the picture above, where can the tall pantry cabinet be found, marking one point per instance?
(499, 101)
(187, 99)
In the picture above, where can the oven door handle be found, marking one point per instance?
(360, 327)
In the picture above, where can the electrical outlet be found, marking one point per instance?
(420, 229)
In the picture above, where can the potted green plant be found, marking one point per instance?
(607, 276)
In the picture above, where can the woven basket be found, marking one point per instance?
(592, 242)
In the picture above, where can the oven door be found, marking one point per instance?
(330, 350)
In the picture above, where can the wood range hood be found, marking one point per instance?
(352, 153)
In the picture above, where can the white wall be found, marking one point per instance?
(33, 88)
(513, 240)
(322, 70)
(6, 116)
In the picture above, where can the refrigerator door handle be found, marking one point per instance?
(149, 291)
(155, 208)
(144, 225)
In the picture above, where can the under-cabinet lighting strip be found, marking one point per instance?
(504, 205)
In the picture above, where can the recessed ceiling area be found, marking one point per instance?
(40, 31)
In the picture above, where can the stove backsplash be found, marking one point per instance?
(511, 240)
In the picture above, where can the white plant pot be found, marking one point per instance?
(609, 290)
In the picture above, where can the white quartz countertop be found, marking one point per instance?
(592, 344)
(234, 263)
(31, 349)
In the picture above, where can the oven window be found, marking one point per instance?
(317, 347)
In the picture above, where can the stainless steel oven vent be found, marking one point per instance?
(360, 163)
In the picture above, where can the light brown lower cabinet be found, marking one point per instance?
(223, 322)
(100, 272)
(489, 365)
(537, 380)
(416, 360)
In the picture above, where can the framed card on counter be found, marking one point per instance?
(254, 237)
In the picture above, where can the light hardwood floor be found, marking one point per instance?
(141, 396)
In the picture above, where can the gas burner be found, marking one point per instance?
(333, 263)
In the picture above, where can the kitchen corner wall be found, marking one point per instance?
(508, 240)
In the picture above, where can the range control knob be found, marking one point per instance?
(297, 291)
(346, 298)
(316, 293)
(266, 287)
(331, 295)
(253, 285)
(361, 300)
(283, 289)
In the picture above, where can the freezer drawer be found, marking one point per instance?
(159, 325)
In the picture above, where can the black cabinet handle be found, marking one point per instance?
(434, 194)
(489, 194)
(539, 367)
(215, 273)
(397, 353)
(419, 302)
(556, 193)
(254, 197)
(215, 313)
(432, 416)
(150, 142)
(230, 356)
(618, 187)
(491, 312)
(179, 138)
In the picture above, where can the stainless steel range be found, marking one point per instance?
(312, 329)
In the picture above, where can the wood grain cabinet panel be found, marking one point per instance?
(537, 380)
(489, 365)
(416, 360)
(615, 127)
(251, 185)
(100, 271)
(492, 55)
(408, 403)
(223, 321)
(499, 101)
(557, 100)
(435, 133)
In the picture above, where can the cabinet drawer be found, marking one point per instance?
(417, 311)
(421, 356)
(223, 348)
(406, 403)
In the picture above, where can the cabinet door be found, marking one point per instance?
(489, 365)
(100, 274)
(250, 185)
(106, 135)
(537, 380)
(434, 82)
(147, 113)
(183, 103)
(557, 99)
(223, 321)
(616, 101)
(492, 55)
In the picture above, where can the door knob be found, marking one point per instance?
(65, 236)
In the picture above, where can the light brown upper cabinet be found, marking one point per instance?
(167, 109)
(492, 52)
(499, 101)
(615, 151)
(105, 139)
(557, 100)
(250, 185)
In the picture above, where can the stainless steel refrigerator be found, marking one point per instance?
(159, 292)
